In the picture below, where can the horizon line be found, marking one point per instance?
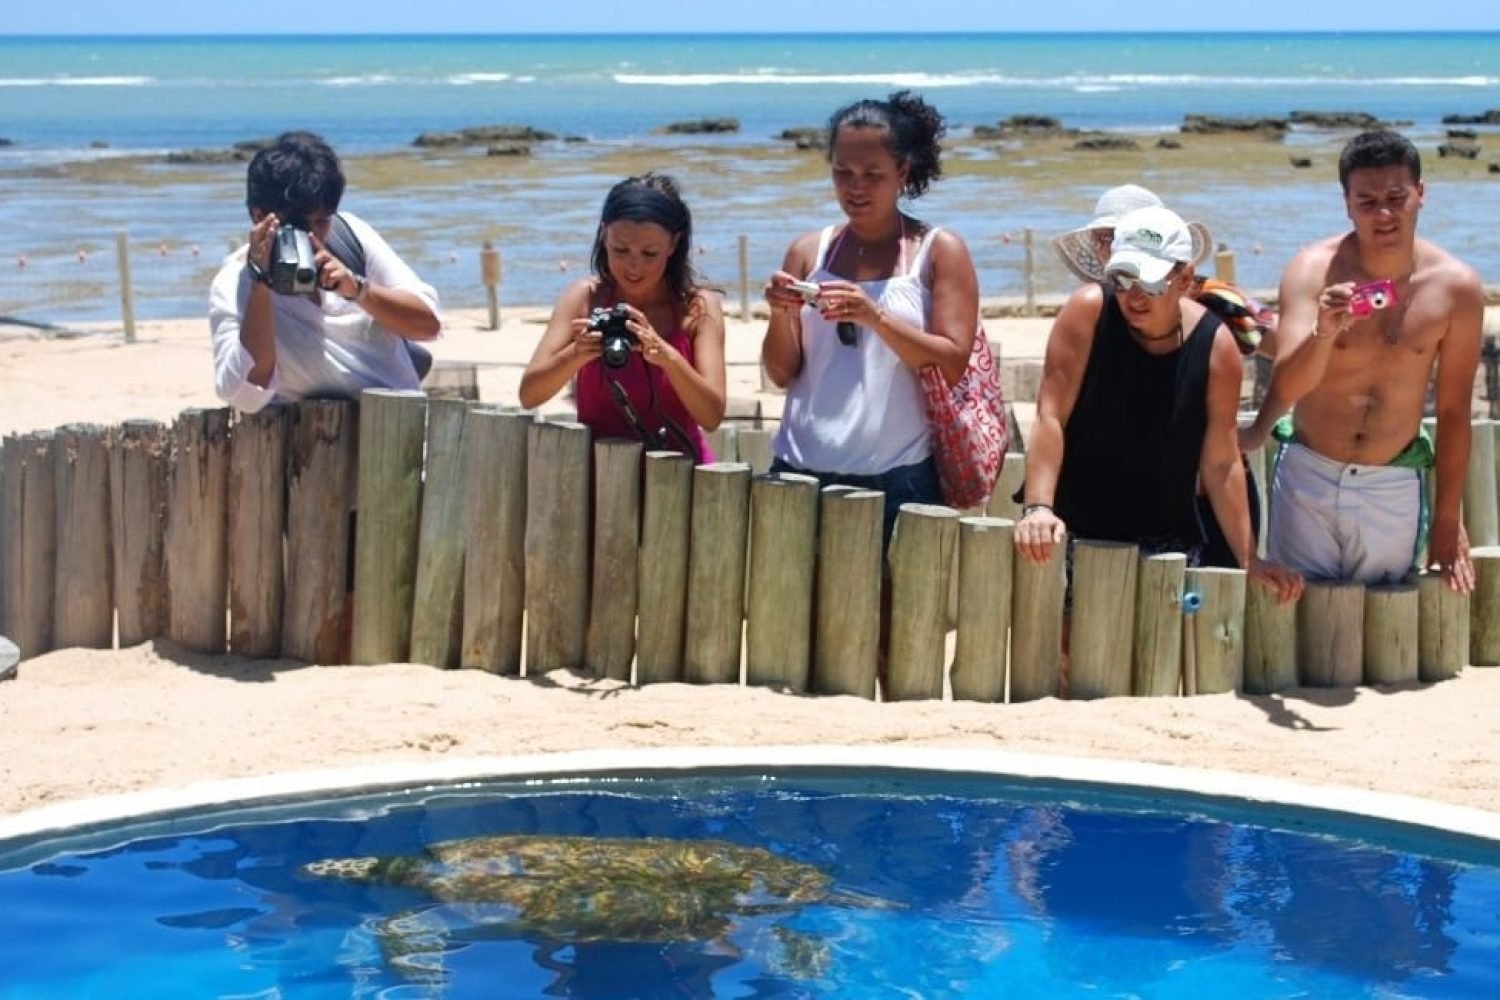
(731, 33)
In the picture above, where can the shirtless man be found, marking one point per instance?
(1346, 500)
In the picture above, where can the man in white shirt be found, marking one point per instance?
(351, 332)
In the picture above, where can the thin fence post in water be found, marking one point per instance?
(1484, 608)
(127, 287)
(257, 521)
(1392, 618)
(716, 573)
(437, 609)
(783, 567)
(1442, 629)
(1331, 634)
(1029, 243)
(985, 554)
(1218, 628)
(557, 553)
(28, 541)
(391, 426)
(197, 546)
(744, 258)
(495, 532)
(322, 450)
(1104, 584)
(489, 272)
(1036, 621)
(138, 521)
(663, 573)
(1479, 510)
(922, 551)
(1156, 653)
(84, 606)
(1270, 642)
(846, 643)
(609, 648)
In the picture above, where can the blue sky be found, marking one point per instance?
(610, 16)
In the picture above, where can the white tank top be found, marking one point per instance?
(858, 410)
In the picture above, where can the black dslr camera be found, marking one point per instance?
(294, 269)
(618, 340)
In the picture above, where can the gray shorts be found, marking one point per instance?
(1336, 521)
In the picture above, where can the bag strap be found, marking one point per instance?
(345, 245)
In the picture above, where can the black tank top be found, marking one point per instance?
(1133, 440)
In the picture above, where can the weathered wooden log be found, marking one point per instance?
(716, 573)
(1391, 628)
(754, 446)
(1104, 595)
(321, 475)
(846, 638)
(723, 441)
(1036, 623)
(391, 425)
(1012, 478)
(1442, 630)
(783, 565)
(1484, 608)
(609, 648)
(1270, 642)
(557, 550)
(1331, 634)
(138, 522)
(922, 554)
(985, 551)
(437, 609)
(28, 541)
(1218, 628)
(1156, 653)
(495, 540)
(663, 574)
(257, 522)
(1479, 510)
(83, 604)
(197, 546)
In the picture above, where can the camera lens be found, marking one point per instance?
(616, 351)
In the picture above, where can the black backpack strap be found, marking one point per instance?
(344, 245)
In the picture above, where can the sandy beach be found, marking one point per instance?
(82, 723)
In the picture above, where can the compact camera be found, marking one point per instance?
(617, 338)
(809, 291)
(1373, 297)
(294, 268)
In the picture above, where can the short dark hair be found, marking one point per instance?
(1378, 148)
(654, 198)
(296, 175)
(912, 127)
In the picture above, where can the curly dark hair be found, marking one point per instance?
(651, 197)
(913, 129)
(296, 175)
(1378, 148)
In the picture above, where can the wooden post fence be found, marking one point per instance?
(1442, 630)
(321, 478)
(1036, 619)
(609, 648)
(138, 521)
(495, 461)
(127, 287)
(1156, 660)
(716, 573)
(782, 570)
(1270, 642)
(1104, 594)
(663, 571)
(257, 522)
(1218, 628)
(846, 639)
(1392, 618)
(489, 274)
(1331, 634)
(1484, 608)
(28, 540)
(557, 552)
(922, 553)
(437, 607)
(82, 600)
(196, 546)
(984, 602)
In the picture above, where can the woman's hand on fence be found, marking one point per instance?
(1285, 583)
(1037, 532)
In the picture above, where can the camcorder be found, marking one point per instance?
(1372, 297)
(617, 338)
(294, 267)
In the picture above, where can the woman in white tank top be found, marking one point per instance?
(859, 306)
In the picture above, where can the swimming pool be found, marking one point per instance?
(819, 873)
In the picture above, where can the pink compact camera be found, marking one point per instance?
(1372, 297)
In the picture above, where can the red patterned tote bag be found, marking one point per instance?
(969, 432)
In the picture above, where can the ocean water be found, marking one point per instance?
(77, 98)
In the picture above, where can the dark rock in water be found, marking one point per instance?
(509, 149)
(1272, 128)
(98, 144)
(253, 146)
(433, 140)
(1459, 149)
(702, 126)
(1462, 133)
(805, 136)
(1490, 117)
(1166, 143)
(1495, 168)
(1044, 123)
(504, 133)
(10, 658)
(575, 138)
(1335, 119)
(1023, 127)
(6, 142)
(1106, 144)
(1300, 162)
(206, 157)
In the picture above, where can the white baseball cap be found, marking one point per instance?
(1149, 243)
(1075, 248)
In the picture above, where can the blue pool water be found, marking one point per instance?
(852, 886)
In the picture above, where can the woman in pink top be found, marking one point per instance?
(665, 383)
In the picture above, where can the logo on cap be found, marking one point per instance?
(1148, 238)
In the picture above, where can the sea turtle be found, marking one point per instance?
(581, 889)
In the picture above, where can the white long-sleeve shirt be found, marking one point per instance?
(326, 346)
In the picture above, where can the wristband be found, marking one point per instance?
(361, 288)
(256, 274)
(1032, 508)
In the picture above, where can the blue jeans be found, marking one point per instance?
(916, 483)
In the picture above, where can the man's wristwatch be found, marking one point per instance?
(361, 288)
(1032, 508)
(256, 273)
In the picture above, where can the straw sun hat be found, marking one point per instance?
(1076, 248)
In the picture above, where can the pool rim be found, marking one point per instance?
(111, 820)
